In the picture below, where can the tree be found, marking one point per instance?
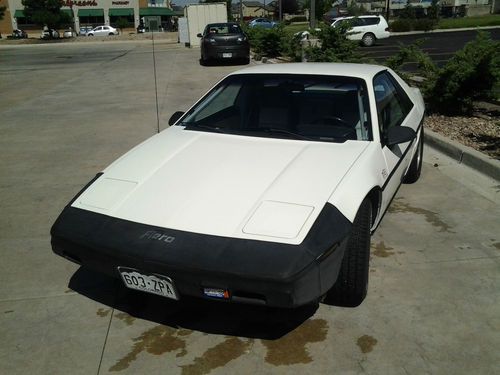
(2, 15)
(322, 6)
(287, 6)
(46, 13)
(434, 10)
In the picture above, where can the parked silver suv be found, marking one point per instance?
(366, 29)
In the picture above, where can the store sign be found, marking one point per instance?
(120, 2)
(80, 3)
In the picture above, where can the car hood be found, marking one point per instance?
(225, 185)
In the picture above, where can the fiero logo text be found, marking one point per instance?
(153, 235)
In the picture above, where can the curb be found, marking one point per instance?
(463, 154)
(443, 30)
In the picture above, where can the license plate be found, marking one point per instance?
(227, 55)
(155, 284)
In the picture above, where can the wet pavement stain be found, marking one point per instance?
(126, 318)
(218, 356)
(381, 250)
(398, 206)
(496, 245)
(366, 343)
(8, 311)
(291, 349)
(157, 341)
(103, 312)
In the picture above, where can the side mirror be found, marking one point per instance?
(176, 116)
(199, 35)
(400, 134)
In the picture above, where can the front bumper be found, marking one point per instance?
(220, 52)
(259, 272)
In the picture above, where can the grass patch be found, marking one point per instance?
(295, 28)
(457, 23)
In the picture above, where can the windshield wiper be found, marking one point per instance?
(201, 126)
(281, 131)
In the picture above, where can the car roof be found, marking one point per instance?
(363, 71)
(351, 17)
(222, 23)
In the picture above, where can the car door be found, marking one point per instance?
(358, 28)
(394, 108)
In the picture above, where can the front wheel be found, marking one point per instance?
(352, 283)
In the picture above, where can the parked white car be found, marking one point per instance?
(102, 31)
(266, 191)
(366, 29)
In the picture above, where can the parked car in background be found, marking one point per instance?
(266, 191)
(224, 41)
(69, 33)
(49, 34)
(103, 30)
(366, 29)
(141, 29)
(85, 29)
(262, 22)
(19, 34)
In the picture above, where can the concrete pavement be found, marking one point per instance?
(433, 304)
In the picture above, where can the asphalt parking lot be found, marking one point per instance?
(67, 111)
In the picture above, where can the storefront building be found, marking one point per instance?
(154, 14)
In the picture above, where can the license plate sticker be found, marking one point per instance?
(227, 55)
(155, 284)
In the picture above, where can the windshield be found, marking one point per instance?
(306, 107)
(223, 28)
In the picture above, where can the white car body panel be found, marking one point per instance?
(179, 178)
(357, 32)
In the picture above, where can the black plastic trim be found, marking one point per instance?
(286, 275)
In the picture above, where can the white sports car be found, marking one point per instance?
(266, 191)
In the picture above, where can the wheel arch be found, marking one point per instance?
(362, 181)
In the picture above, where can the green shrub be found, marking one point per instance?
(333, 46)
(401, 25)
(424, 24)
(470, 75)
(266, 42)
(291, 47)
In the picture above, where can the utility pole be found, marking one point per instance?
(281, 9)
(241, 12)
(387, 10)
(312, 15)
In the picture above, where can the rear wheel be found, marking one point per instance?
(352, 283)
(368, 40)
(415, 168)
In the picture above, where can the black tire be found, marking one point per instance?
(413, 173)
(352, 283)
(368, 40)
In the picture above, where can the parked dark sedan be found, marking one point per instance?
(224, 41)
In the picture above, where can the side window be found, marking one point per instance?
(393, 105)
(224, 100)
